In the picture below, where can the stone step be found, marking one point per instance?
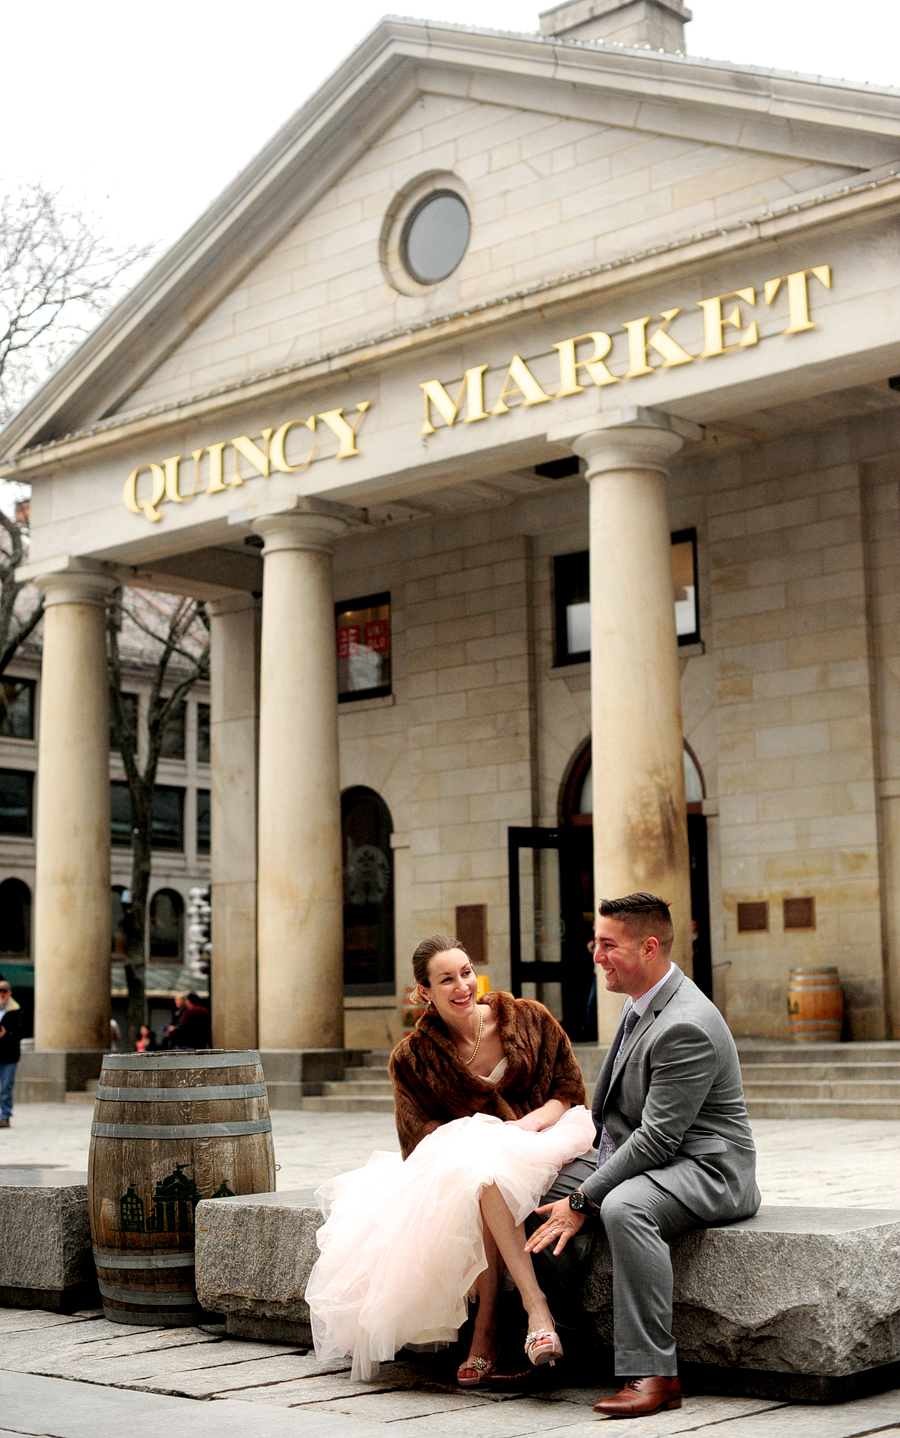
(359, 1088)
(776, 1073)
(797, 1108)
(372, 1058)
(851, 1091)
(346, 1103)
(751, 1051)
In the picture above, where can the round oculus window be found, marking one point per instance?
(435, 237)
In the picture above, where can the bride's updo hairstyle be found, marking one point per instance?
(437, 944)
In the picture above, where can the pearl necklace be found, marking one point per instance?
(471, 1060)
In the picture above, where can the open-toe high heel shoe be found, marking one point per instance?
(543, 1346)
(474, 1371)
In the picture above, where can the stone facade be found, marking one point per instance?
(682, 272)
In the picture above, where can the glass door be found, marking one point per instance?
(549, 958)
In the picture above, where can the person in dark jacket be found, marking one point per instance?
(10, 1039)
(191, 1029)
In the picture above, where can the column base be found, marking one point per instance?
(47, 1075)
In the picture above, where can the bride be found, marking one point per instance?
(489, 1106)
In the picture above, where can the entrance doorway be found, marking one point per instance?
(551, 885)
(366, 830)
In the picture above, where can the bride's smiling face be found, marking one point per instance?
(452, 984)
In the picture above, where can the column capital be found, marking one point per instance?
(231, 604)
(66, 579)
(631, 438)
(310, 524)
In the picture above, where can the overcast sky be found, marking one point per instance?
(143, 113)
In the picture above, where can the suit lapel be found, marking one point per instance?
(670, 987)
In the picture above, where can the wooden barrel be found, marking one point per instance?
(169, 1129)
(815, 1005)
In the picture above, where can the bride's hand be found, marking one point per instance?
(532, 1122)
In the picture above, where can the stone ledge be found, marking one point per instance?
(45, 1241)
(799, 1303)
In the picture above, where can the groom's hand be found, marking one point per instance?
(561, 1225)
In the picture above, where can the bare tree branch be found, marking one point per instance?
(57, 276)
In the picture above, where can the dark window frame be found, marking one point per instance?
(28, 776)
(204, 845)
(566, 585)
(681, 536)
(121, 786)
(203, 728)
(368, 601)
(179, 730)
(128, 695)
(29, 686)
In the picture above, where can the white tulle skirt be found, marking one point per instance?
(402, 1243)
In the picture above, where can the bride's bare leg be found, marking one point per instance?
(484, 1334)
(510, 1240)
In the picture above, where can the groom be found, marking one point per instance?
(674, 1149)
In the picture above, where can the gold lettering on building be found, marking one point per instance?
(569, 365)
(718, 323)
(473, 388)
(264, 457)
(519, 380)
(798, 296)
(158, 488)
(726, 330)
(715, 323)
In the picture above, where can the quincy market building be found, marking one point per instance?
(523, 411)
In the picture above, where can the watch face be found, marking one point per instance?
(577, 1202)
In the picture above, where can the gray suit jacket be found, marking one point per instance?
(675, 1108)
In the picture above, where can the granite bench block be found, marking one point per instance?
(254, 1254)
(799, 1303)
(45, 1241)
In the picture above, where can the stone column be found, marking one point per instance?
(640, 819)
(73, 913)
(234, 714)
(300, 891)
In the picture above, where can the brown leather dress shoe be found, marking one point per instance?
(641, 1397)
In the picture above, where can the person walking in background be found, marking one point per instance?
(10, 1039)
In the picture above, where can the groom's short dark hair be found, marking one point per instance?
(643, 914)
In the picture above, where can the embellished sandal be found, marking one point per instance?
(477, 1369)
(543, 1346)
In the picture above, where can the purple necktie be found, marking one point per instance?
(606, 1147)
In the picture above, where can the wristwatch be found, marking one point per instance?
(580, 1203)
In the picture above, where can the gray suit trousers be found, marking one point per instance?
(640, 1219)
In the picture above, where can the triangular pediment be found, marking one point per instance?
(570, 158)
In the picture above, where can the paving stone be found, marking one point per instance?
(393, 1406)
(334, 1384)
(57, 1408)
(239, 1374)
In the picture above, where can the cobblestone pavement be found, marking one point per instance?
(823, 1163)
(82, 1377)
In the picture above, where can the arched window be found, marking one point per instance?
(577, 796)
(166, 924)
(366, 830)
(15, 918)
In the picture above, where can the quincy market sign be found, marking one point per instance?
(581, 358)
